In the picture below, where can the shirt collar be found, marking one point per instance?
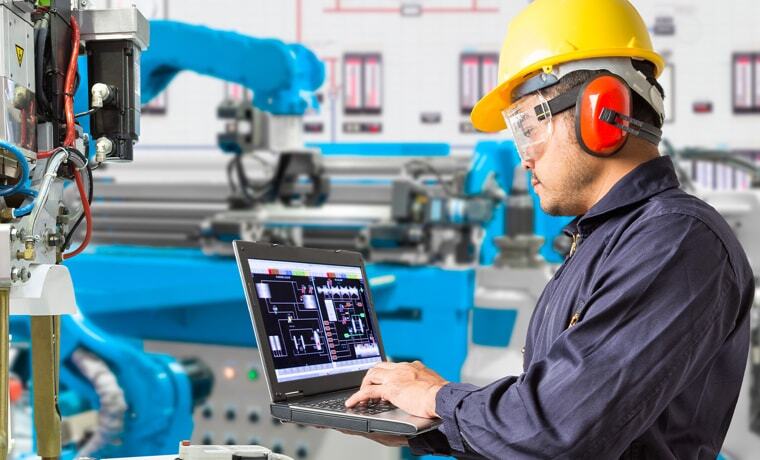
(646, 180)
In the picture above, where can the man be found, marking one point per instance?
(638, 345)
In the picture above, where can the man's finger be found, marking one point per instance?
(365, 394)
(418, 365)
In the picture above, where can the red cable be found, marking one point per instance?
(87, 216)
(68, 91)
(69, 84)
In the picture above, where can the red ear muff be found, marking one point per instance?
(596, 136)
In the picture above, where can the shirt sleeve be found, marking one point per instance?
(663, 301)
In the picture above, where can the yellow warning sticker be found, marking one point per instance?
(19, 54)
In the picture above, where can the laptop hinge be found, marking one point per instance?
(291, 395)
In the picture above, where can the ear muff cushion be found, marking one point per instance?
(596, 136)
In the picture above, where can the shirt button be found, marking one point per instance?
(522, 350)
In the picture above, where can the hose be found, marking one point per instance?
(23, 178)
(53, 164)
(113, 404)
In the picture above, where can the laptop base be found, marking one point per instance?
(288, 413)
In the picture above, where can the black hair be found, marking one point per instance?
(640, 108)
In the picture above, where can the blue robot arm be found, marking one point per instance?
(282, 77)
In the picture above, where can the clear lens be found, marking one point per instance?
(530, 121)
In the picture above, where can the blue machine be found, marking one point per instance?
(500, 160)
(156, 389)
(196, 298)
(282, 76)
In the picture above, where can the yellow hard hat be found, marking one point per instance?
(548, 33)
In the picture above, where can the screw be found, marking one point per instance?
(25, 274)
(14, 274)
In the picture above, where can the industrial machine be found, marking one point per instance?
(43, 151)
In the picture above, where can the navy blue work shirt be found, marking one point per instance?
(661, 291)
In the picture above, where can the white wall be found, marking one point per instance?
(421, 58)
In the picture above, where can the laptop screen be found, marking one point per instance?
(316, 318)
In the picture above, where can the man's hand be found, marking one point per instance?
(409, 386)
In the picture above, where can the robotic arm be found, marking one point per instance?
(283, 79)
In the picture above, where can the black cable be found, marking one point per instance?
(67, 241)
(252, 193)
(230, 180)
(433, 170)
(87, 167)
(41, 32)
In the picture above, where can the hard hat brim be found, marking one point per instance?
(487, 117)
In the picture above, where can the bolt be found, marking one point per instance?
(25, 274)
(14, 274)
(14, 233)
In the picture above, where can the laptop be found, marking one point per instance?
(317, 332)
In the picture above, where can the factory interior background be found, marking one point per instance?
(159, 283)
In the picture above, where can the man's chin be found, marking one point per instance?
(552, 209)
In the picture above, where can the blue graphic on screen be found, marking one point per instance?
(316, 317)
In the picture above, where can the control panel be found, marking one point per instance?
(237, 410)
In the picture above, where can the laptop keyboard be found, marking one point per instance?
(339, 405)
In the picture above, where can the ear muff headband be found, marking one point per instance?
(603, 109)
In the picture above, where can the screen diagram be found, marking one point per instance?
(316, 318)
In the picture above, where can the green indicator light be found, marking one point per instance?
(361, 314)
(345, 335)
(253, 375)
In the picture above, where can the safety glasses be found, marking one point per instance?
(530, 121)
